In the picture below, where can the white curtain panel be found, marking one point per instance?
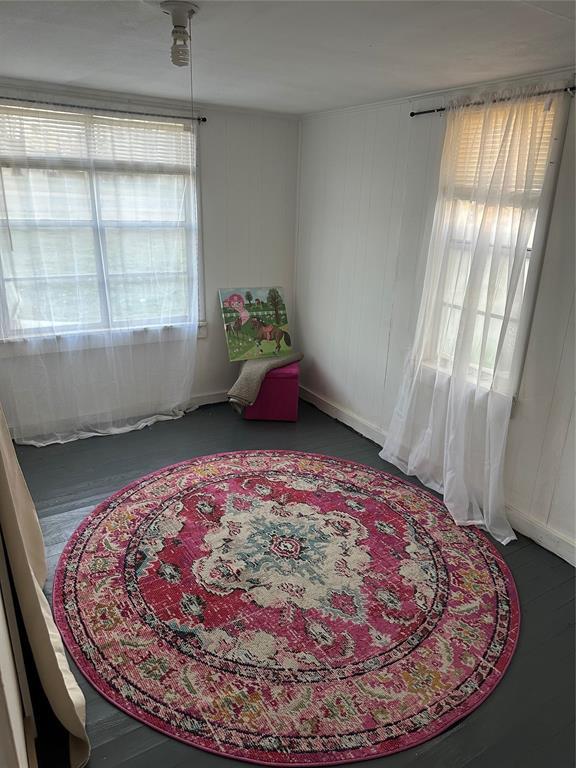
(98, 272)
(451, 420)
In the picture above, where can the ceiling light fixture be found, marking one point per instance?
(181, 13)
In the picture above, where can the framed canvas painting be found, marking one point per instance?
(255, 322)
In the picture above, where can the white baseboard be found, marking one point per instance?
(555, 542)
(366, 428)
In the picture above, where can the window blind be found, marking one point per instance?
(98, 222)
(488, 146)
(48, 136)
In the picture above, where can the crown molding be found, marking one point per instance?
(105, 99)
(102, 99)
(434, 96)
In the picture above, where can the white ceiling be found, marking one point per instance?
(286, 56)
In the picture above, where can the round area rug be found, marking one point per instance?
(285, 608)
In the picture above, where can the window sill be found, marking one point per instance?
(472, 378)
(94, 340)
(485, 386)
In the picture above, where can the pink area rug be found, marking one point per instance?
(285, 608)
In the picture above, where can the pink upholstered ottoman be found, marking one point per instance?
(278, 396)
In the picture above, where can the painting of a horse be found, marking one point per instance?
(233, 329)
(255, 322)
(265, 332)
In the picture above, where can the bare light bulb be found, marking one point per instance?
(180, 52)
(181, 12)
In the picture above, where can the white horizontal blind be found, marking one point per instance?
(489, 137)
(51, 136)
(98, 220)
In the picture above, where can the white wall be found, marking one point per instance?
(368, 180)
(540, 458)
(367, 177)
(248, 169)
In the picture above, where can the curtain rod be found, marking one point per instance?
(200, 119)
(570, 89)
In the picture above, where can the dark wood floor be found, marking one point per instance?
(528, 722)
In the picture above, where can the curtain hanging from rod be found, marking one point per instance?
(450, 423)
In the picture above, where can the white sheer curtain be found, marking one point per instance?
(98, 272)
(451, 420)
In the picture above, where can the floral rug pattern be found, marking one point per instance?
(285, 608)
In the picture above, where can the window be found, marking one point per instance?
(456, 283)
(490, 202)
(99, 220)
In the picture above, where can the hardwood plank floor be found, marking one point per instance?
(528, 722)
